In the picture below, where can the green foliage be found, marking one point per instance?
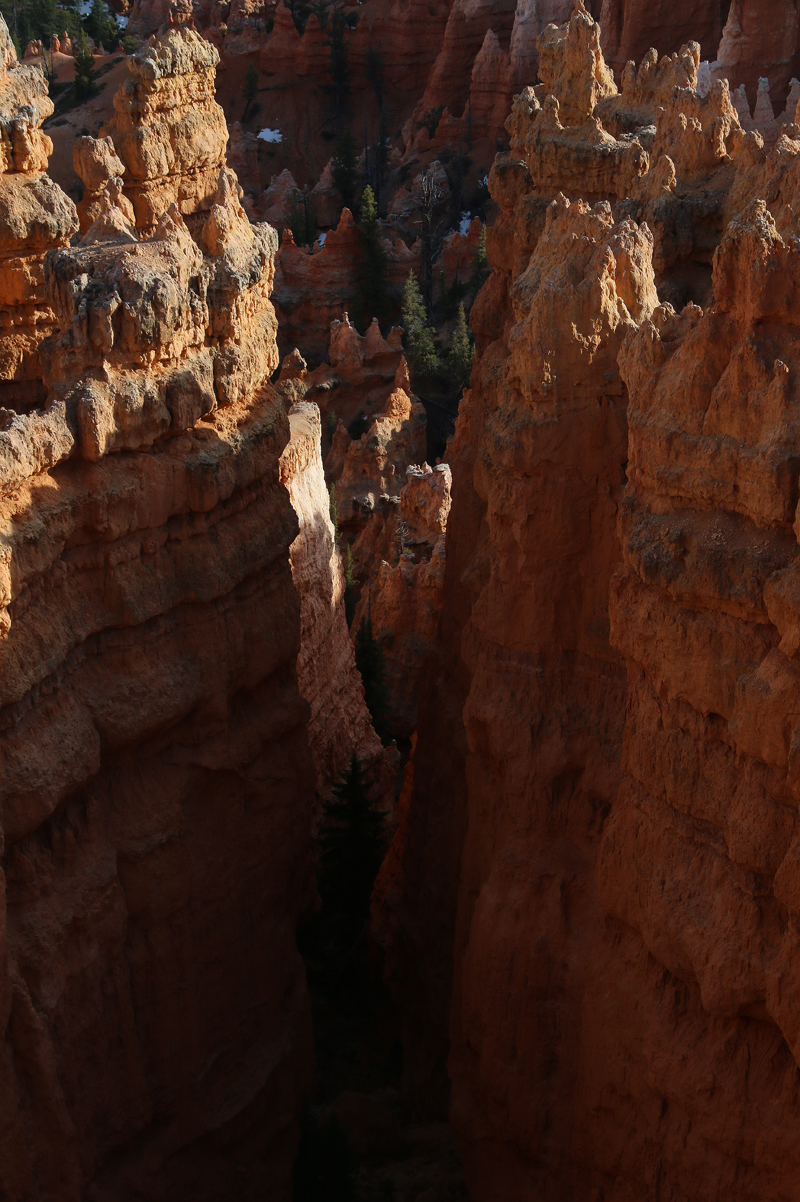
(431, 119)
(350, 586)
(85, 74)
(34, 20)
(481, 267)
(324, 1164)
(130, 43)
(331, 422)
(372, 666)
(374, 300)
(459, 361)
(49, 72)
(352, 845)
(419, 336)
(101, 25)
(345, 169)
(250, 86)
(302, 222)
(349, 569)
(334, 510)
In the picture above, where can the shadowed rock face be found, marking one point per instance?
(157, 789)
(592, 901)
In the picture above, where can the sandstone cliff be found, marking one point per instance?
(590, 904)
(35, 216)
(157, 788)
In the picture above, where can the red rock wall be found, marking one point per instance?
(606, 718)
(157, 789)
(631, 27)
(156, 811)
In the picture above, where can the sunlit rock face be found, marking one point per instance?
(157, 788)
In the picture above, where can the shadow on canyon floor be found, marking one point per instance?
(360, 1142)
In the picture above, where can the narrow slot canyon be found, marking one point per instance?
(399, 677)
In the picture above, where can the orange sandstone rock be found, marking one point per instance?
(157, 790)
(340, 724)
(35, 216)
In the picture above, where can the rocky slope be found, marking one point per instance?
(591, 906)
(157, 787)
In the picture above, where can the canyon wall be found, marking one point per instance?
(157, 787)
(591, 911)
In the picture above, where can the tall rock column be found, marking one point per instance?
(157, 788)
(697, 873)
(35, 216)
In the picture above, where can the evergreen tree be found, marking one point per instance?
(250, 87)
(373, 259)
(101, 25)
(350, 584)
(372, 667)
(334, 511)
(418, 334)
(459, 361)
(85, 75)
(345, 169)
(352, 848)
(480, 264)
(31, 20)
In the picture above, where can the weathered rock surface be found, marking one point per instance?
(168, 129)
(373, 471)
(405, 594)
(157, 791)
(35, 216)
(339, 724)
(591, 901)
(312, 290)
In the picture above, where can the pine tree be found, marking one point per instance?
(101, 26)
(334, 511)
(350, 584)
(250, 87)
(373, 259)
(480, 264)
(352, 848)
(459, 361)
(85, 75)
(372, 667)
(418, 334)
(345, 169)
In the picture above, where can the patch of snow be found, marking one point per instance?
(463, 227)
(321, 238)
(271, 135)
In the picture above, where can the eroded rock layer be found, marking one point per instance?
(592, 903)
(157, 789)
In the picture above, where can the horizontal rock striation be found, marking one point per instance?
(157, 791)
(592, 902)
